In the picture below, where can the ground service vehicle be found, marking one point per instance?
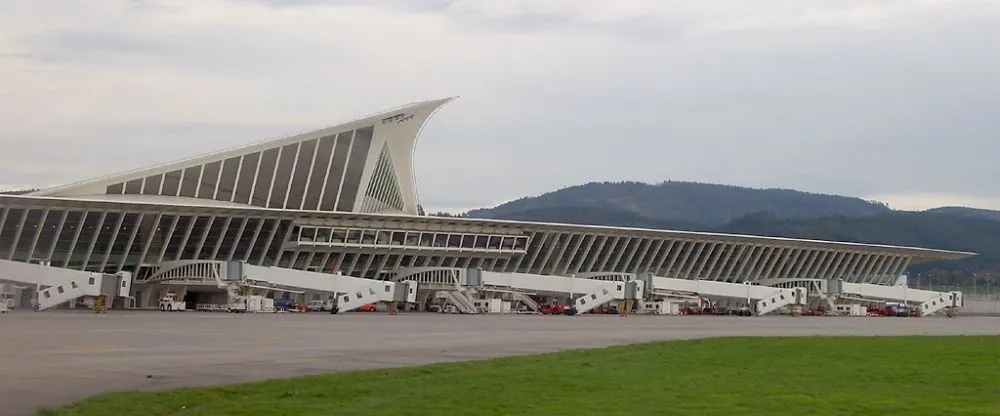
(169, 303)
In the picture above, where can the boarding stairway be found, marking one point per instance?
(527, 301)
(460, 300)
(58, 285)
(351, 292)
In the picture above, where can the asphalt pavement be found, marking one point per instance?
(52, 358)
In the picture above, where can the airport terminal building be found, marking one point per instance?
(343, 199)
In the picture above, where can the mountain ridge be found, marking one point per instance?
(684, 202)
(774, 212)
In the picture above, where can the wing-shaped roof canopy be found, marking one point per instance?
(364, 165)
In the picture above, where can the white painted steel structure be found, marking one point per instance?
(343, 198)
(349, 167)
(584, 294)
(57, 286)
(351, 292)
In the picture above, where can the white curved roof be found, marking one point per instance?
(363, 165)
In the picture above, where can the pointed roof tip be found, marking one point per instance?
(443, 100)
(435, 103)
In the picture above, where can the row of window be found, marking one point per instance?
(389, 238)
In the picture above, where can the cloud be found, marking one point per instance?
(855, 97)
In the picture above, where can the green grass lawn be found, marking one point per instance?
(727, 376)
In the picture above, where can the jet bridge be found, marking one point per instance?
(766, 299)
(586, 294)
(352, 292)
(57, 285)
(929, 302)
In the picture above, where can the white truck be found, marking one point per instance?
(170, 303)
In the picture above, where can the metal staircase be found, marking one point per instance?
(527, 301)
(461, 301)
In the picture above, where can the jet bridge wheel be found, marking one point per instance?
(334, 310)
(570, 312)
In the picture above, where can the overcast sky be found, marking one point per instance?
(891, 100)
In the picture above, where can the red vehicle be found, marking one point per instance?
(556, 309)
(367, 308)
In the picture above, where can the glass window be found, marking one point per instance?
(468, 241)
(267, 163)
(368, 237)
(189, 184)
(494, 242)
(248, 171)
(133, 186)
(152, 185)
(102, 244)
(355, 167)
(301, 260)
(412, 238)
(245, 240)
(426, 239)
(48, 234)
(286, 259)
(338, 235)
(216, 232)
(323, 235)
(177, 237)
(521, 243)
(354, 236)
(190, 249)
(32, 223)
(336, 170)
(323, 152)
(303, 166)
(398, 238)
(284, 174)
(280, 230)
(227, 183)
(87, 232)
(171, 183)
(157, 238)
(507, 243)
(231, 235)
(124, 234)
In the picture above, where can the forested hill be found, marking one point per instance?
(968, 212)
(688, 204)
(766, 212)
(903, 228)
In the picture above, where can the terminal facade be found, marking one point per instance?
(343, 200)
